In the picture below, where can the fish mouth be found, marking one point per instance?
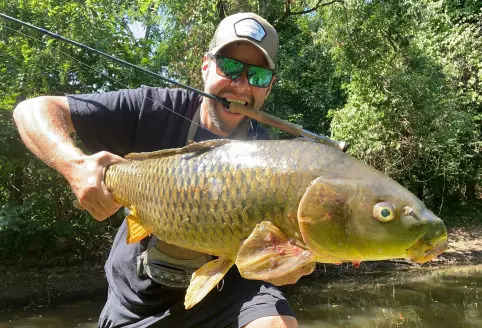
(425, 250)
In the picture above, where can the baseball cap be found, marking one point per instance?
(247, 27)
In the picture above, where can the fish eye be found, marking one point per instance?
(384, 212)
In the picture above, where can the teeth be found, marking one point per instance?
(241, 102)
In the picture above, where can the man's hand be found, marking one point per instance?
(86, 178)
(45, 125)
(294, 276)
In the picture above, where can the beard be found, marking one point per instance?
(219, 123)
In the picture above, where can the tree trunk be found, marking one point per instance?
(420, 190)
(221, 10)
(470, 190)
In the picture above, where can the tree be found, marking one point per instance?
(401, 114)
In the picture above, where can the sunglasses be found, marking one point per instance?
(232, 69)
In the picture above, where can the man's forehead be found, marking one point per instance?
(244, 51)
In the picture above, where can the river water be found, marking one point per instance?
(444, 298)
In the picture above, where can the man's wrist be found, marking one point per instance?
(70, 162)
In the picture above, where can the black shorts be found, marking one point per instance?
(239, 302)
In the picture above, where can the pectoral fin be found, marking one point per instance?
(204, 279)
(269, 254)
(135, 230)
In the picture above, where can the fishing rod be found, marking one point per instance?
(262, 117)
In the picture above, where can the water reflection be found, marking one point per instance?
(446, 298)
(80, 314)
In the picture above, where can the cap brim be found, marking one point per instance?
(270, 61)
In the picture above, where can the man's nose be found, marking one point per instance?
(241, 82)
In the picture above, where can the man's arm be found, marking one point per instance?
(45, 124)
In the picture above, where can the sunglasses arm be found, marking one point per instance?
(291, 128)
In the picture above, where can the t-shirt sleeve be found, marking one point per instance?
(107, 121)
(125, 121)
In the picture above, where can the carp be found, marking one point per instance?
(271, 207)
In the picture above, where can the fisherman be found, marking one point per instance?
(147, 280)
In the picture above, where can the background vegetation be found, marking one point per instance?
(400, 80)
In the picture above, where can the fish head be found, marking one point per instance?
(368, 218)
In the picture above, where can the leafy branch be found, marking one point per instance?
(289, 13)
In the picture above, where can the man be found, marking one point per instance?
(238, 67)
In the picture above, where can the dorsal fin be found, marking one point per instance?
(198, 147)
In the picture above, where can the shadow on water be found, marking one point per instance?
(443, 298)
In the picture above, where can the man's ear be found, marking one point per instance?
(205, 67)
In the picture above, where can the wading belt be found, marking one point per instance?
(166, 270)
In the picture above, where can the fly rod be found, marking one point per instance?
(262, 117)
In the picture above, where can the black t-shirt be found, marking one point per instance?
(139, 120)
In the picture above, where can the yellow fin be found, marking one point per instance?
(204, 279)
(295, 275)
(269, 254)
(197, 147)
(135, 230)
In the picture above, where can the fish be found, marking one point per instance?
(270, 207)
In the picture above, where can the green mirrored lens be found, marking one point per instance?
(259, 77)
(229, 67)
(232, 69)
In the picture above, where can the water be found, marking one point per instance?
(447, 298)
(80, 314)
(440, 299)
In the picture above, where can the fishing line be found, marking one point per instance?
(291, 128)
(123, 62)
(96, 70)
(66, 54)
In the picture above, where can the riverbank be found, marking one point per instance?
(45, 286)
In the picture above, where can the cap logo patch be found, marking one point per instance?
(250, 28)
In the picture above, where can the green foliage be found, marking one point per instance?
(452, 35)
(403, 115)
(462, 214)
(307, 86)
(45, 227)
(400, 80)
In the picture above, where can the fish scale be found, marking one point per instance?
(222, 200)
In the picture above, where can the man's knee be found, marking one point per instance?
(282, 321)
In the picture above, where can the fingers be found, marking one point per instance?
(90, 189)
(97, 200)
(100, 207)
(94, 213)
(105, 208)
